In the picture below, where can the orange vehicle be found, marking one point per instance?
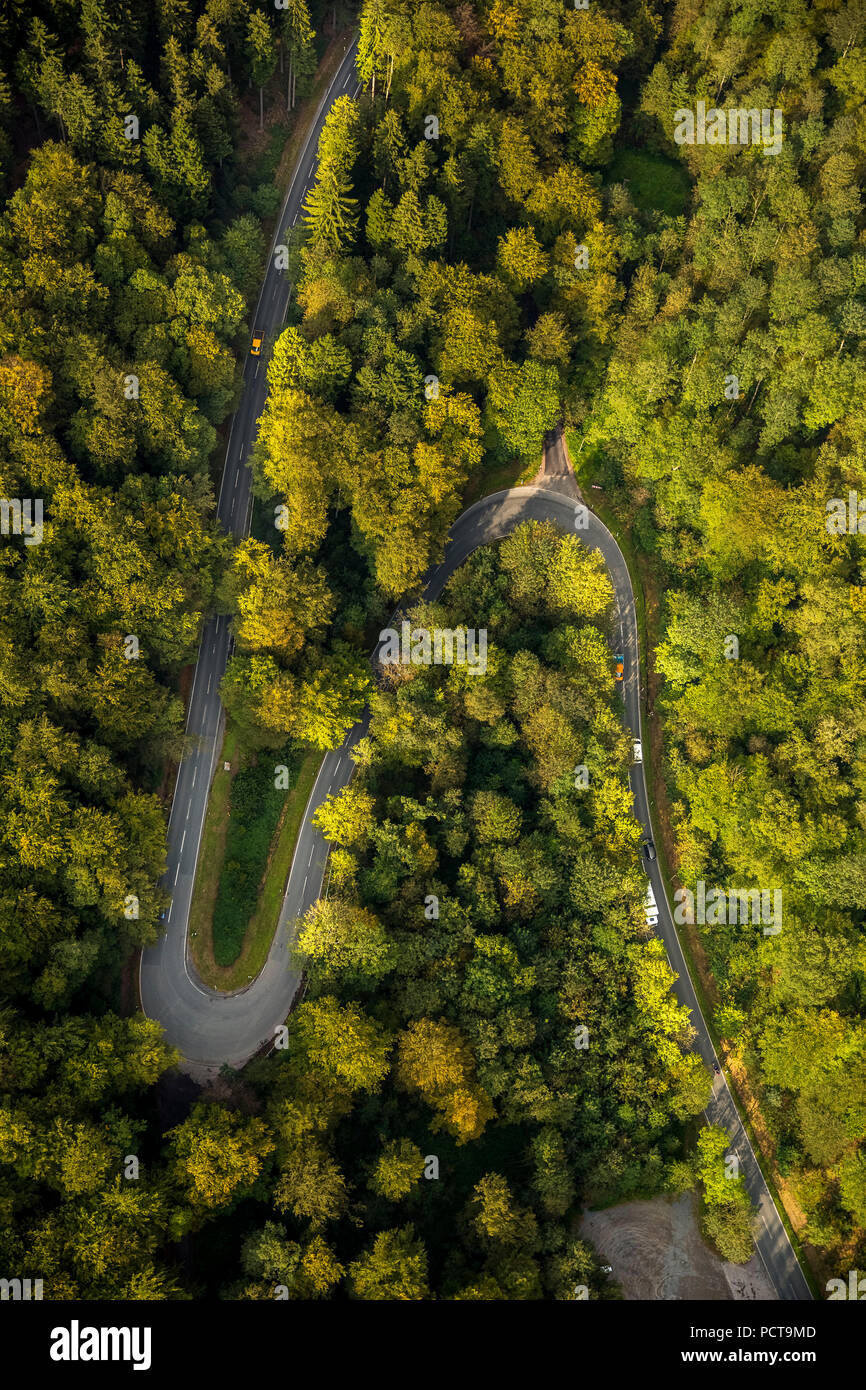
(619, 666)
(256, 349)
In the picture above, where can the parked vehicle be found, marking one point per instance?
(637, 750)
(618, 666)
(649, 850)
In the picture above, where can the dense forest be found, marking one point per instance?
(455, 285)
(763, 279)
(503, 235)
(488, 1034)
(696, 314)
(127, 261)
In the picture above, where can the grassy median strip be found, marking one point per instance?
(263, 922)
(244, 862)
(210, 859)
(255, 810)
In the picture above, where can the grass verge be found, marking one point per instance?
(483, 480)
(304, 114)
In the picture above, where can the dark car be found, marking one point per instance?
(649, 849)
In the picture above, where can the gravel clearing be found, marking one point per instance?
(657, 1252)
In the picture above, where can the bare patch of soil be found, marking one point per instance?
(656, 1252)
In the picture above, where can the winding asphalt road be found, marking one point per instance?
(211, 1029)
(169, 987)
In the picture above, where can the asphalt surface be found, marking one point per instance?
(206, 1026)
(210, 1029)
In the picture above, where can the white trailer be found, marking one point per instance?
(651, 910)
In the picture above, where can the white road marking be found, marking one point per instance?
(209, 679)
(194, 775)
(183, 838)
(176, 872)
